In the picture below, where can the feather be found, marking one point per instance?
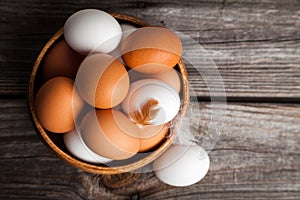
(147, 112)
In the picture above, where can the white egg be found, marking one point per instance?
(92, 30)
(128, 27)
(145, 90)
(127, 30)
(182, 165)
(170, 76)
(77, 147)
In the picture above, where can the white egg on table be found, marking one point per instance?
(78, 148)
(92, 30)
(182, 165)
(151, 102)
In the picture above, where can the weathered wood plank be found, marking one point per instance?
(254, 44)
(256, 157)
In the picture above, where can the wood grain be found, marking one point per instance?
(255, 157)
(255, 45)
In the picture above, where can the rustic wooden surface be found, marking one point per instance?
(255, 45)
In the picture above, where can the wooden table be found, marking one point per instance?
(256, 46)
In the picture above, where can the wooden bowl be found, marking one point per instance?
(55, 141)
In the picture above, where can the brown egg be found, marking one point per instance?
(57, 105)
(110, 134)
(155, 48)
(152, 136)
(171, 76)
(61, 60)
(102, 81)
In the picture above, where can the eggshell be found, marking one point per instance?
(127, 27)
(171, 76)
(110, 134)
(61, 60)
(155, 48)
(92, 30)
(102, 81)
(127, 30)
(140, 92)
(57, 105)
(182, 165)
(78, 148)
(152, 136)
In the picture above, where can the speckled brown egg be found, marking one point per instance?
(110, 134)
(102, 81)
(61, 60)
(151, 46)
(57, 105)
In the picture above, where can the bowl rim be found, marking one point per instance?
(89, 167)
